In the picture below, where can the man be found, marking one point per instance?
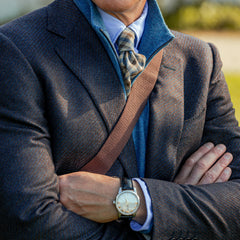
(62, 91)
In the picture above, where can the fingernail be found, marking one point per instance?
(228, 170)
(209, 145)
(228, 156)
(221, 147)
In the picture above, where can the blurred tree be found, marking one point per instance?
(10, 9)
(204, 15)
(200, 2)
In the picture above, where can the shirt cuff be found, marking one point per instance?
(147, 226)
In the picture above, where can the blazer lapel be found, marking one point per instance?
(94, 69)
(83, 53)
(166, 119)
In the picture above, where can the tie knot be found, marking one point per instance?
(126, 40)
(131, 63)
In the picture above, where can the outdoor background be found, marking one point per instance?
(216, 21)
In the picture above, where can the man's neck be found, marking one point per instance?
(127, 16)
(114, 26)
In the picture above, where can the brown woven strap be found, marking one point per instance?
(122, 131)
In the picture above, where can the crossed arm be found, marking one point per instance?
(91, 195)
(29, 187)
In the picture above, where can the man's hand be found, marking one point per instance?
(209, 164)
(90, 195)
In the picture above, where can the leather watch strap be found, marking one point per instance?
(126, 184)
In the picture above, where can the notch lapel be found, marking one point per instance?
(166, 119)
(82, 51)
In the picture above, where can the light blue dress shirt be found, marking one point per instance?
(157, 36)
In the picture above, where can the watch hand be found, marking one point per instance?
(127, 205)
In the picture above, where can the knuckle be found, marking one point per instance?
(223, 164)
(190, 162)
(202, 165)
(210, 176)
(225, 161)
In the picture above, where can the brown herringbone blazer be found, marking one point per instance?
(58, 103)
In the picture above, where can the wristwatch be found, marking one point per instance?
(127, 201)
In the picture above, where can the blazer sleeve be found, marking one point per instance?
(29, 194)
(208, 211)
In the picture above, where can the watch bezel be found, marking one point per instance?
(125, 213)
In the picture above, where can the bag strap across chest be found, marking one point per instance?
(122, 131)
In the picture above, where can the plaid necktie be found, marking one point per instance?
(131, 63)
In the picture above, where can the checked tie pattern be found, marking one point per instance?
(131, 63)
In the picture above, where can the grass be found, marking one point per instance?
(233, 81)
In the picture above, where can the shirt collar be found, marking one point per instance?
(114, 26)
(155, 35)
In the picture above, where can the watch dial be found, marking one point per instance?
(127, 202)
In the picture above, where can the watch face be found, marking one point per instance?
(127, 202)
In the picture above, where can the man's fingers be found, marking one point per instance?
(225, 175)
(187, 168)
(217, 172)
(205, 163)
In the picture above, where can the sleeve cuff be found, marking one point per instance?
(147, 226)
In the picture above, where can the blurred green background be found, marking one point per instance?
(216, 21)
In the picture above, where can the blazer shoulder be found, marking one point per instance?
(193, 51)
(59, 17)
(186, 46)
(34, 20)
(27, 31)
(187, 40)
